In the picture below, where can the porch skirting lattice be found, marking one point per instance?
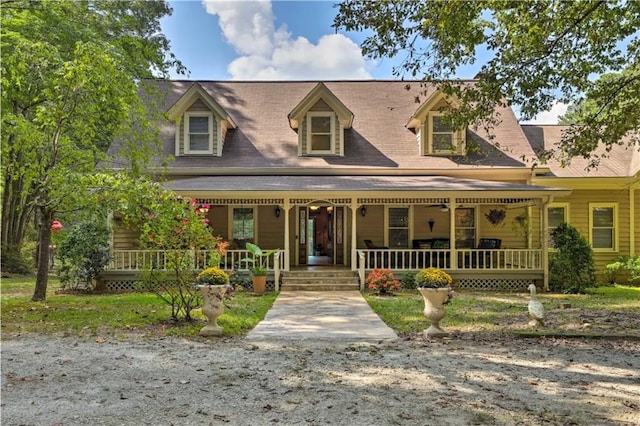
(493, 284)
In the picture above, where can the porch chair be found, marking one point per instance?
(376, 258)
(483, 260)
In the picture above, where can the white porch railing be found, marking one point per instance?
(137, 260)
(460, 260)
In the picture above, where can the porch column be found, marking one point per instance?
(544, 238)
(354, 235)
(632, 221)
(452, 233)
(286, 208)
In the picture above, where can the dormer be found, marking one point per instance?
(433, 134)
(201, 123)
(320, 119)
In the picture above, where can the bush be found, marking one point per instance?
(408, 281)
(571, 267)
(626, 264)
(381, 281)
(13, 261)
(84, 254)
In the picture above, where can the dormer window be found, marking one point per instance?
(321, 135)
(198, 133)
(441, 136)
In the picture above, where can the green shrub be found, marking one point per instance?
(625, 264)
(408, 281)
(84, 254)
(571, 267)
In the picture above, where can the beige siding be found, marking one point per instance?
(219, 219)
(507, 230)
(579, 218)
(421, 216)
(124, 239)
(371, 227)
(270, 228)
(321, 105)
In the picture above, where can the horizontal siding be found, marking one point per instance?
(124, 239)
(506, 231)
(218, 220)
(371, 227)
(270, 228)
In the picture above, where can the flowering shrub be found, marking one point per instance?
(213, 276)
(433, 278)
(381, 281)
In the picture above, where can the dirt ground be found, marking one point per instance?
(462, 380)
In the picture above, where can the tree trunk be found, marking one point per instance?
(45, 217)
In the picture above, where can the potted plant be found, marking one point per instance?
(257, 265)
(214, 286)
(435, 287)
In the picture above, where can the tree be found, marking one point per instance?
(70, 79)
(543, 52)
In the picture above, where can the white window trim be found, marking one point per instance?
(455, 137)
(616, 229)
(331, 115)
(187, 144)
(409, 224)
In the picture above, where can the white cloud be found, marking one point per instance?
(549, 117)
(267, 53)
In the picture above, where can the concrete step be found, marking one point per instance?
(319, 280)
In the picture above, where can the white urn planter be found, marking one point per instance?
(213, 307)
(434, 299)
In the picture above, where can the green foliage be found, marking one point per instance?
(258, 261)
(571, 267)
(408, 281)
(433, 278)
(382, 282)
(625, 264)
(71, 75)
(84, 254)
(12, 261)
(213, 276)
(540, 53)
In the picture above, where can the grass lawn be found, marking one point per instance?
(605, 311)
(117, 314)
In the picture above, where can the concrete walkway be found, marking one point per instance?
(340, 315)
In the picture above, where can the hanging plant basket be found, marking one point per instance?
(496, 216)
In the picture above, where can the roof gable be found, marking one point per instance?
(428, 105)
(320, 92)
(195, 92)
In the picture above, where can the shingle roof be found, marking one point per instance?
(345, 183)
(378, 138)
(621, 161)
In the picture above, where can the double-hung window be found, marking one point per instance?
(558, 214)
(398, 229)
(465, 218)
(198, 133)
(243, 225)
(442, 136)
(321, 132)
(603, 223)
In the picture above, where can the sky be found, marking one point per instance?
(277, 40)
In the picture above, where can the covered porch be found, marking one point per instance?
(366, 222)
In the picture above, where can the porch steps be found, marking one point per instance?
(319, 280)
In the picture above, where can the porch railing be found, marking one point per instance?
(137, 260)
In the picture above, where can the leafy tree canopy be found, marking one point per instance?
(542, 52)
(70, 78)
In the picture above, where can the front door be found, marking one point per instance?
(320, 239)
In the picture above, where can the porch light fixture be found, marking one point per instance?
(277, 211)
(444, 208)
(363, 211)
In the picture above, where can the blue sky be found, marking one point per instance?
(275, 40)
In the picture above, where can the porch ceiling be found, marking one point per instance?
(291, 184)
